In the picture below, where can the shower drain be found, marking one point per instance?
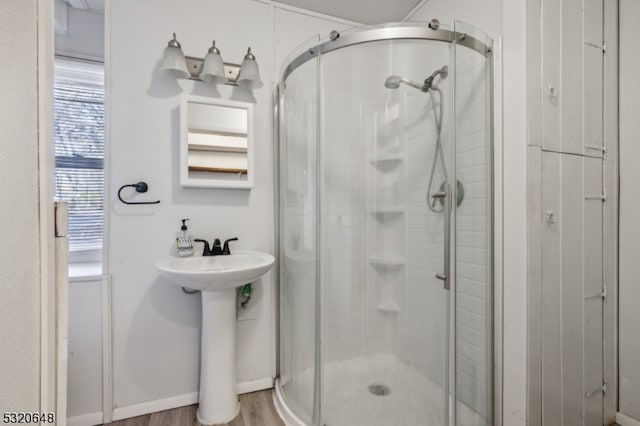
(379, 389)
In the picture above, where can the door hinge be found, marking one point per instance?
(602, 197)
(602, 389)
(602, 295)
(602, 46)
(61, 219)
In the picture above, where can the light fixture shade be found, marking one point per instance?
(173, 61)
(213, 67)
(249, 76)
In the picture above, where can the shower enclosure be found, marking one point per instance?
(385, 308)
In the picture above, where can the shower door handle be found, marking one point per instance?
(445, 194)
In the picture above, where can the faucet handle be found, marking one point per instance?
(226, 250)
(207, 250)
(215, 248)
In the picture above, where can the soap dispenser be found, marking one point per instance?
(184, 241)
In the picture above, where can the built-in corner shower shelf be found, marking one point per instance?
(386, 161)
(389, 307)
(384, 212)
(387, 260)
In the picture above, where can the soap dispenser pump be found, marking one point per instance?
(184, 241)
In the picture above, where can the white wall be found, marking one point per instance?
(84, 397)
(155, 325)
(629, 277)
(19, 263)
(291, 29)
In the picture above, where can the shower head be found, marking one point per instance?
(394, 81)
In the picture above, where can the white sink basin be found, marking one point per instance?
(217, 277)
(216, 273)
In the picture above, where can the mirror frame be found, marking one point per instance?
(217, 180)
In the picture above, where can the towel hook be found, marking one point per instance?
(140, 187)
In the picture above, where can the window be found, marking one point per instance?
(79, 154)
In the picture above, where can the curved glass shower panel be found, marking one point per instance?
(383, 311)
(298, 239)
(376, 125)
(473, 232)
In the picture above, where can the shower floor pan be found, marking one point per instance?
(401, 395)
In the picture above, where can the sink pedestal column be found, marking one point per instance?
(218, 397)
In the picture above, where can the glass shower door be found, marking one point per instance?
(473, 288)
(384, 313)
(299, 340)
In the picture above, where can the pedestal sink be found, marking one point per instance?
(217, 277)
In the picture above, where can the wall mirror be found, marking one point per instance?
(216, 138)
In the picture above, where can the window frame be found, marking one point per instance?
(91, 74)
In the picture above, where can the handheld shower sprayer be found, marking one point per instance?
(393, 82)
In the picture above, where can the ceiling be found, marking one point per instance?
(362, 11)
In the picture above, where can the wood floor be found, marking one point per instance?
(256, 409)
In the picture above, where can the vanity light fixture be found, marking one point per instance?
(174, 61)
(212, 68)
(249, 76)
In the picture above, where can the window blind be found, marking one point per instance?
(79, 154)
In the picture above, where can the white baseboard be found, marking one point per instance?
(91, 419)
(623, 420)
(180, 401)
(255, 385)
(155, 406)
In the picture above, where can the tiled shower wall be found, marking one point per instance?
(424, 318)
(473, 230)
(342, 215)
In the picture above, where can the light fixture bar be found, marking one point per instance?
(194, 65)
